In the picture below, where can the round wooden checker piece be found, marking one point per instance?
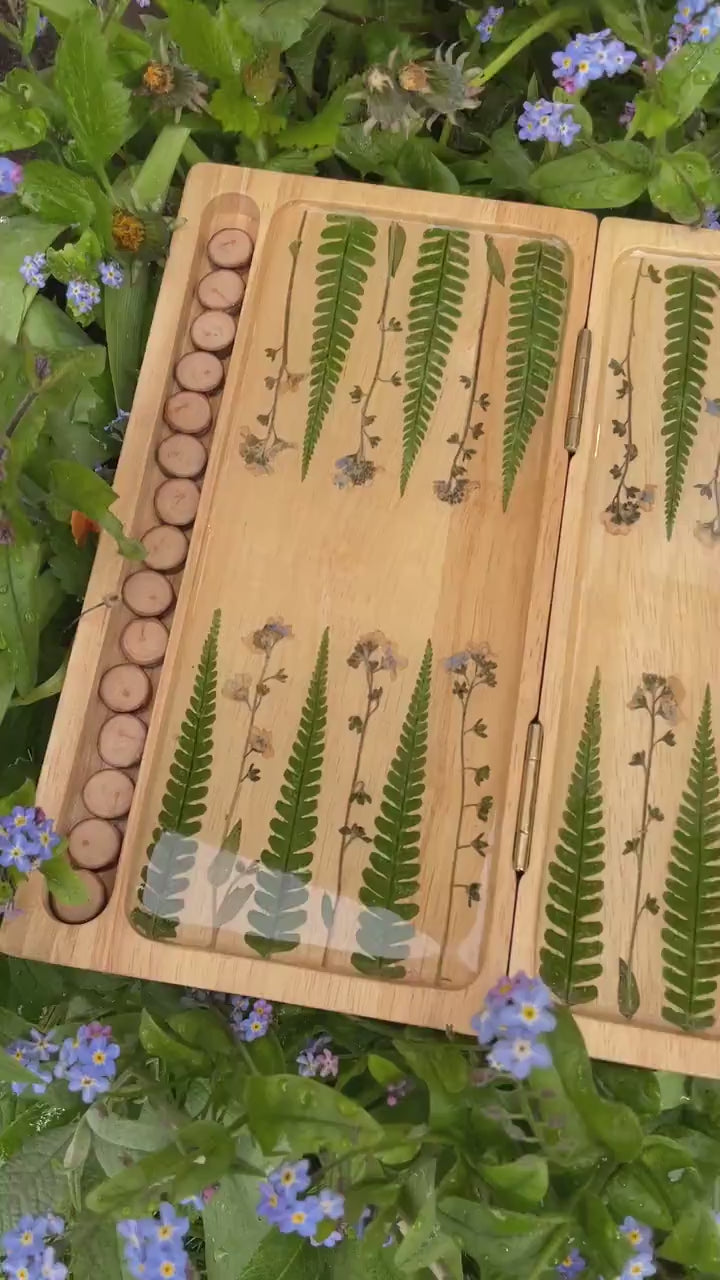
(108, 794)
(144, 641)
(148, 593)
(230, 248)
(95, 901)
(108, 878)
(121, 741)
(94, 844)
(189, 412)
(182, 456)
(125, 687)
(213, 331)
(199, 371)
(221, 290)
(166, 548)
(176, 502)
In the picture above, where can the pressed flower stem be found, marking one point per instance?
(474, 385)
(556, 18)
(640, 855)
(382, 325)
(271, 436)
(371, 707)
(627, 369)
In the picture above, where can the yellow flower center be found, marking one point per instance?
(128, 230)
(298, 1218)
(158, 78)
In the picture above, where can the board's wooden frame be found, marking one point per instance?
(109, 943)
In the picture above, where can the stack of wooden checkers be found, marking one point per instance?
(127, 687)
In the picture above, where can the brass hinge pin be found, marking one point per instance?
(578, 388)
(528, 797)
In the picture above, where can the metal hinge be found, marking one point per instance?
(528, 796)
(578, 388)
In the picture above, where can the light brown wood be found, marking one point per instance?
(230, 248)
(199, 371)
(94, 844)
(125, 687)
(148, 593)
(166, 547)
(221, 290)
(144, 641)
(108, 794)
(182, 456)
(358, 558)
(108, 878)
(188, 411)
(177, 501)
(122, 740)
(213, 331)
(85, 911)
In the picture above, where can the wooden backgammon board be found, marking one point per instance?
(419, 678)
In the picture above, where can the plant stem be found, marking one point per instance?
(365, 404)
(626, 365)
(647, 769)
(458, 831)
(556, 18)
(26, 403)
(473, 388)
(271, 436)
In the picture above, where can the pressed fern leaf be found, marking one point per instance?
(436, 298)
(390, 881)
(689, 294)
(569, 961)
(282, 878)
(538, 293)
(345, 255)
(691, 954)
(171, 854)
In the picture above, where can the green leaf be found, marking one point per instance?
(19, 617)
(20, 236)
(280, 22)
(160, 1042)
(58, 194)
(282, 878)
(628, 990)
(496, 266)
(20, 125)
(507, 1242)
(607, 1249)
(390, 879)
(82, 490)
(345, 255)
(235, 111)
(623, 24)
(322, 130)
(172, 851)
(12, 1071)
(125, 331)
(525, 1179)
(691, 936)
(635, 1191)
(204, 38)
(436, 298)
(420, 168)
(200, 1154)
(594, 179)
(297, 1115)
(679, 185)
(687, 78)
(62, 881)
(281, 1257)
(570, 959)
(695, 1240)
(96, 1249)
(689, 296)
(538, 295)
(233, 1231)
(397, 240)
(129, 1135)
(97, 105)
(34, 1178)
(638, 1088)
(423, 1245)
(36, 1118)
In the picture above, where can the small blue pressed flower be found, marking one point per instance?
(519, 1056)
(11, 175)
(639, 1236)
(111, 274)
(457, 661)
(572, 1265)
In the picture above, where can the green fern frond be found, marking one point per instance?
(390, 881)
(569, 961)
(538, 294)
(689, 295)
(691, 954)
(436, 299)
(346, 254)
(171, 854)
(282, 878)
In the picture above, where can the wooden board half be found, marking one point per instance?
(326, 804)
(620, 907)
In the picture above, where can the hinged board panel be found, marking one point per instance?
(326, 805)
(620, 907)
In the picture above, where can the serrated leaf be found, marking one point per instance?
(390, 879)
(20, 125)
(436, 298)
(97, 104)
(80, 489)
(691, 936)
(172, 852)
(280, 22)
(345, 255)
(537, 303)
(570, 960)
(689, 296)
(19, 616)
(213, 43)
(34, 1178)
(58, 194)
(282, 878)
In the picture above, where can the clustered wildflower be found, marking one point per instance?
(33, 270)
(695, 22)
(87, 1060)
(590, 57)
(488, 22)
(83, 296)
(27, 839)
(281, 1206)
(397, 1091)
(153, 1247)
(249, 1020)
(318, 1060)
(642, 1262)
(571, 1266)
(29, 1255)
(111, 274)
(516, 1013)
(552, 121)
(11, 175)
(711, 219)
